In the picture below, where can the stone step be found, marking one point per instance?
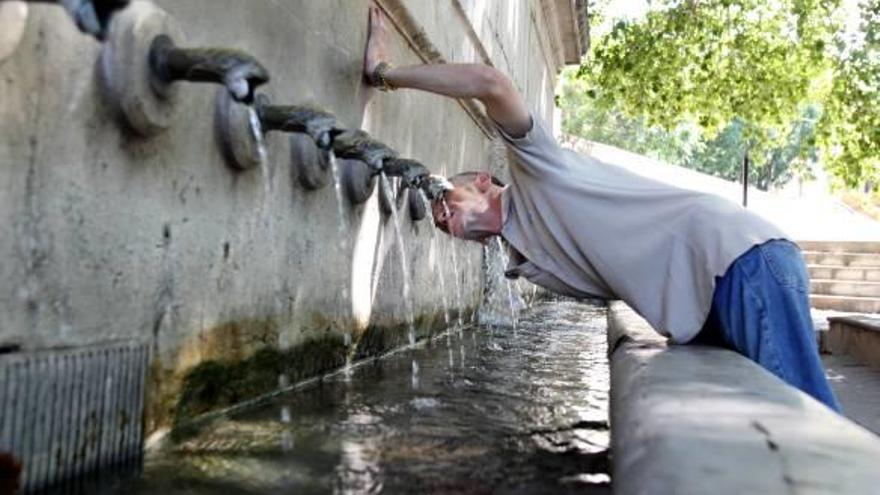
(857, 336)
(845, 288)
(841, 246)
(856, 273)
(846, 303)
(862, 260)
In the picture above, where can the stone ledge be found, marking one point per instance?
(692, 419)
(856, 336)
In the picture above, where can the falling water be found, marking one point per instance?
(342, 234)
(458, 299)
(340, 207)
(401, 251)
(510, 299)
(468, 274)
(437, 269)
(257, 133)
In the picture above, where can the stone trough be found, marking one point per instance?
(693, 419)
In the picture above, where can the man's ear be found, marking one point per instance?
(483, 181)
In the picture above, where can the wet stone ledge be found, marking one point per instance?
(692, 419)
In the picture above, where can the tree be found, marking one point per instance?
(773, 167)
(715, 60)
(851, 124)
(588, 118)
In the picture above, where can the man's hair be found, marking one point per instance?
(461, 179)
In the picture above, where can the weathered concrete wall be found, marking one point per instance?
(694, 419)
(106, 235)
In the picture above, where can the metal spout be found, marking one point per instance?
(358, 145)
(320, 125)
(411, 172)
(238, 71)
(91, 16)
(434, 186)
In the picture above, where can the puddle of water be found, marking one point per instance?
(503, 414)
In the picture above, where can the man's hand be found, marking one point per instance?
(377, 43)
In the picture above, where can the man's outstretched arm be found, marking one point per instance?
(490, 86)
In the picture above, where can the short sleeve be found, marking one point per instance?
(537, 149)
(537, 134)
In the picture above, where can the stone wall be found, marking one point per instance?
(106, 235)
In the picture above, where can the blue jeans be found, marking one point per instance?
(761, 309)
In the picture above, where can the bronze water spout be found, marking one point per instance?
(320, 125)
(358, 145)
(235, 69)
(140, 64)
(411, 172)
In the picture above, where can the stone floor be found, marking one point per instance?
(857, 388)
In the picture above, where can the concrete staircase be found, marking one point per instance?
(845, 275)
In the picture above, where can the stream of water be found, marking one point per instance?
(467, 413)
(401, 252)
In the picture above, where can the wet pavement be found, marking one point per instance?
(857, 388)
(474, 411)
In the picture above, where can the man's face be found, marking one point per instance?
(457, 214)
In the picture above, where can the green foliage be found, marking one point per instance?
(750, 75)
(851, 125)
(773, 167)
(587, 119)
(686, 145)
(712, 61)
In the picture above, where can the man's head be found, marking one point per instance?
(471, 210)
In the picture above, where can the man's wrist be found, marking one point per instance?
(379, 77)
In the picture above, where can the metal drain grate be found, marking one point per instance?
(66, 414)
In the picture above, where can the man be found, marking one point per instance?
(697, 267)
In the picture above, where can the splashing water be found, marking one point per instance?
(401, 251)
(501, 301)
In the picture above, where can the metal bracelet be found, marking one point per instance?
(378, 78)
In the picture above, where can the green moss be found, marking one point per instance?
(216, 384)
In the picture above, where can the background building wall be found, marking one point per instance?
(105, 235)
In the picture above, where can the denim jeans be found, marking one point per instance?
(761, 309)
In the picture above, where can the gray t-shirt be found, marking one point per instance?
(587, 228)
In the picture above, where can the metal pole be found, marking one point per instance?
(745, 179)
